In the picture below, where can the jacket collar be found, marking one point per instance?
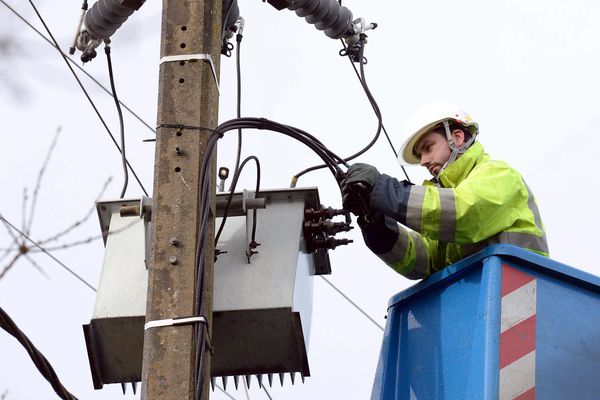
(456, 172)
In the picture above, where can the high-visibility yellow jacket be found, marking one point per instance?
(477, 202)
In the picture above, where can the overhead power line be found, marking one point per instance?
(47, 253)
(84, 90)
(363, 312)
(133, 113)
(41, 362)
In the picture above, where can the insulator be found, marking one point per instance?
(229, 19)
(326, 15)
(106, 16)
(322, 213)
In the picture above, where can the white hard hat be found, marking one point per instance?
(424, 120)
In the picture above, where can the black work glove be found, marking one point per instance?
(357, 186)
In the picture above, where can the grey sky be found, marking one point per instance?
(526, 71)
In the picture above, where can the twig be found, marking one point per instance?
(27, 229)
(24, 210)
(81, 221)
(10, 265)
(36, 266)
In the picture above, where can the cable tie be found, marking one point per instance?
(182, 127)
(175, 322)
(192, 58)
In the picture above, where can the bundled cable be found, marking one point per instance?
(331, 160)
(42, 364)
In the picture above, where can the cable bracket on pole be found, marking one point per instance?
(175, 322)
(193, 58)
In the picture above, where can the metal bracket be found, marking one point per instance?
(194, 57)
(175, 322)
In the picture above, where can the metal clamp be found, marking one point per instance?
(194, 57)
(175, 322)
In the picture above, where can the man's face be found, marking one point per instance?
(433, 152)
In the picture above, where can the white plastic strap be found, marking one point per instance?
(174, 322)
(194, 57)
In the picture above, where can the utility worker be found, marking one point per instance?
(471, 202)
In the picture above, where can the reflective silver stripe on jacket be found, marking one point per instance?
(448, 215)
(541, 244)
(525, 240)
(414, 211)
(414, 207)
(420, 269)
(396, 254)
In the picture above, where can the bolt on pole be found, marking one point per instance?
(188, 95)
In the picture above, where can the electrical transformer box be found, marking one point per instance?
(263, 283)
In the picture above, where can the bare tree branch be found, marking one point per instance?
(36, 266)
(27, 229)
(10, 265)
(12, 234)
(81, 221)
(24, 210)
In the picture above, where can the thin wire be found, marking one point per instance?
(239, 98)
(47, 253)
(41, 362)
(225, 393)
(234, 182)
(268, 394)
(85, 91)
(382, 125)
(121, 124)
(78, 66)
(351, 302)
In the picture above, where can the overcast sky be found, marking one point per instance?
(526, 71)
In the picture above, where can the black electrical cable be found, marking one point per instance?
(77, 65)
(85, 92)
(361, 44)
(41, 362)
(362, 79)
(239, 98)
(330, 159)
(375, 107)
(234, 182)
(121, 124)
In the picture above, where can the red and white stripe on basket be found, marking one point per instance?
(517, 335)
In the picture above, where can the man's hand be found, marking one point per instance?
(357, 186)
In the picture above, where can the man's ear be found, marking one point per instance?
(459, 137)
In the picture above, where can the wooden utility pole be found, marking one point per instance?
(188, 95)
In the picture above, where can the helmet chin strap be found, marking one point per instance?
(456, 150)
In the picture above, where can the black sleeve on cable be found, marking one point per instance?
(121, 124)
(38, 358)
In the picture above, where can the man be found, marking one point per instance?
(471, 202)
